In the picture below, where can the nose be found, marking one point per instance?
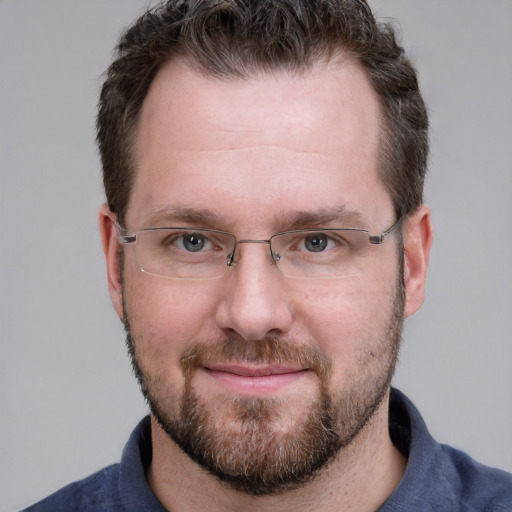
(255, 302)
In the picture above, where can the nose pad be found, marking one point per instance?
(230, 260)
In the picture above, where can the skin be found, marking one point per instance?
(251, 152)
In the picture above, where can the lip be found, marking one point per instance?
(257, 380)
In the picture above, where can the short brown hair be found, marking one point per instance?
(238, 37)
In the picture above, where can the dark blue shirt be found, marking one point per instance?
(438, 478)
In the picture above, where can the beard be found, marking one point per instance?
(241, 440)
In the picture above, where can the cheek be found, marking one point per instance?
(165, 317)
(347, 317)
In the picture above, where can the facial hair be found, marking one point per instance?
(240, 443)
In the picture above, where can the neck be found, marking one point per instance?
(361, 478)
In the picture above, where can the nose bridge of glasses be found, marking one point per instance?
(233, 258)
(249, 241)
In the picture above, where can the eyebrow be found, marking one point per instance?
(161, 216)
(340, 216)
(167, 215)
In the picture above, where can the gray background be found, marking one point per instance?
(68, 400)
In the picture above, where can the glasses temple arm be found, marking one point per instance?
(378, 239)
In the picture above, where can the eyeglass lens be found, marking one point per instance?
(203, 254)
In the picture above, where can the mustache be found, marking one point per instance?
(272, 349)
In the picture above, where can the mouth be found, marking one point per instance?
(254, 380)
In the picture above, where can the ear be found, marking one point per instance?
(110, 244)
(418, 238)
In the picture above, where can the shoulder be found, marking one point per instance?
(120, 487)
(474, 485)
(89, 494)
(439, 477)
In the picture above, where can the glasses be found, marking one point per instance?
(190, 253)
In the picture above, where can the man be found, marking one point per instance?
(265, 237)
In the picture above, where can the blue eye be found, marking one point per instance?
(193, 242)
(316, 242)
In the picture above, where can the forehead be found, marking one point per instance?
(274, 141)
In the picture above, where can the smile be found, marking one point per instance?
(254, 381)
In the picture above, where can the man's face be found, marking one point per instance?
(259, 377)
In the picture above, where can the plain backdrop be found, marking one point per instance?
(68, 400)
